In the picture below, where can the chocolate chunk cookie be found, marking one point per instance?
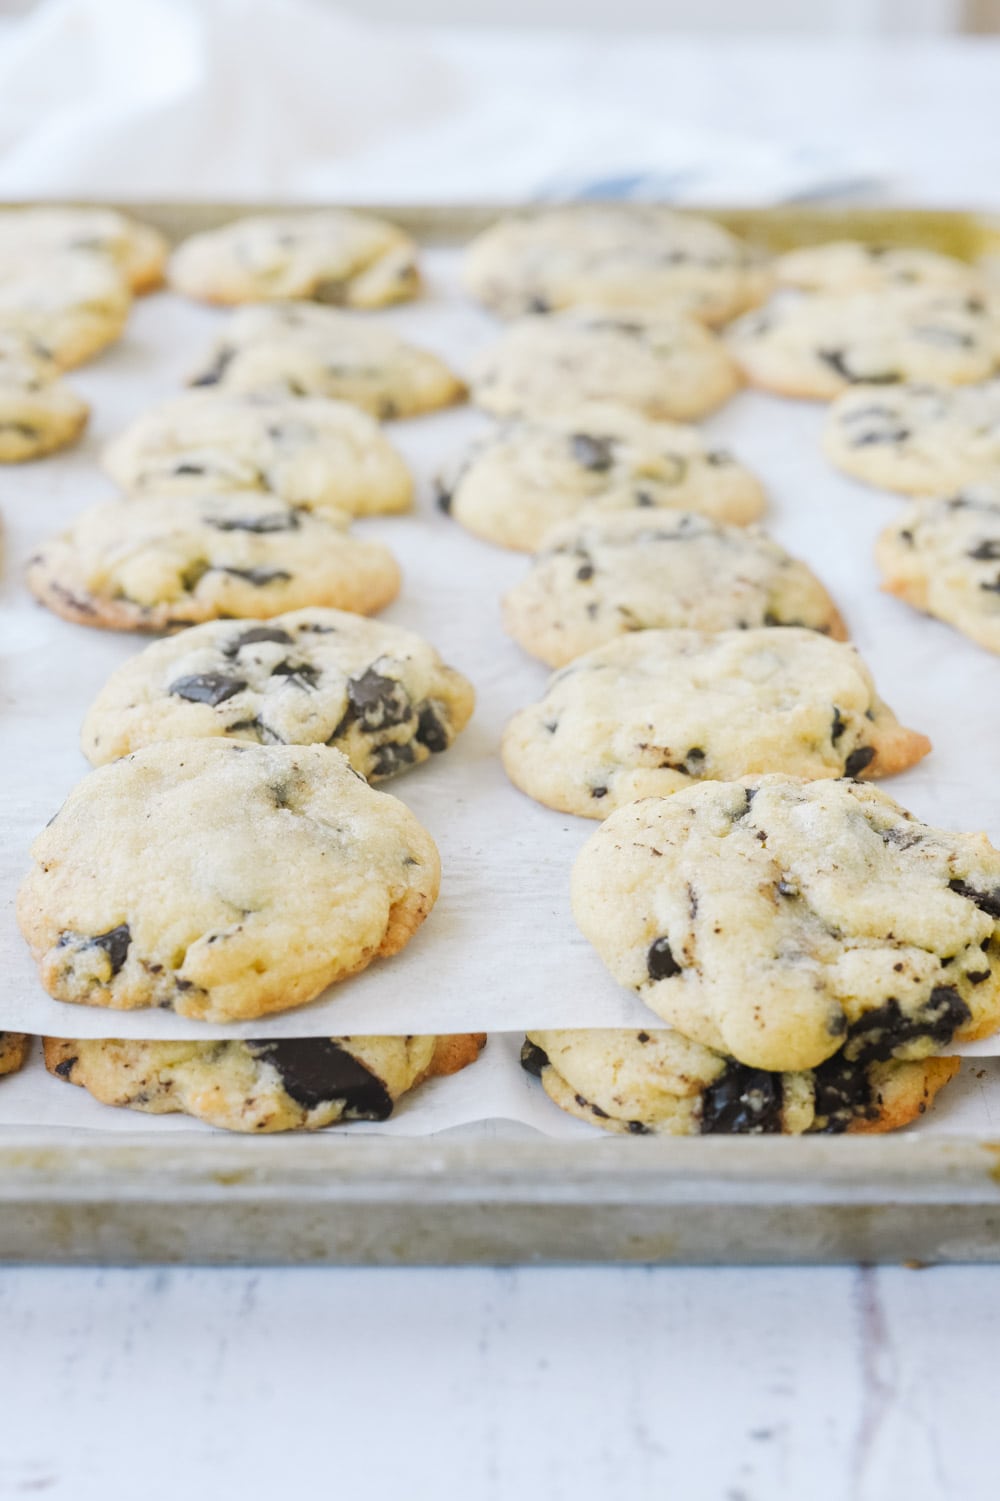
(157, 563)
(854, 266)
(660, 1083)
(647, 715)
(819, 346)
(528, 476)
(333, 255)
(138, 250)
(70, 305)
(292, 349)
(612, 255)
(920, 440)
(597, 579)
(298, 1084)
(782, 921)
(943, 556)
(316, 677)
(661, 364)
(13, 1051)
(38, 412)
(222, 881)
(316, 453)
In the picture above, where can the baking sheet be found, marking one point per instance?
(500, 952)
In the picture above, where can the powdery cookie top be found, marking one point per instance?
(334, 255)
(38, 412)
(527, 476)
(379, 694)
(663, 365)
(819, 346)
(292, 349)
(222, 881)
(298, 1084)
(314, 453)
(599, 578)
(943, 556)
(646, 715)
(918, 439)
(781, 921)
(613, 255)
(70, 305)
(159, 562)
(853, 266)
(660, 1083)
(137, 249)
(13, 1051)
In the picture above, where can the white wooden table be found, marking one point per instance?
(727, 1385)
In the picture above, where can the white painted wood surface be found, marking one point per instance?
(692, 1385)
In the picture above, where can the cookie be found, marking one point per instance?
(298, 1084)
(160, 562)
(13, 1051)
(332, 255)
(661, 1084)
(222, 881)
(920, 440)
(855, 266)
(604, 577)
(38, 412)
(613, 255)
(70, 305)
(818, 346)
(782, 921)
(943, 557)
(663, 365)
(648, 714)
(317, 454)
(137, 249)
(291, 349)
(528, 476)
(316, 677)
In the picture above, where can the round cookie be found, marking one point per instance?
(156, 563)
(316, 677)
(38, 412)
(333, 255)
(13, 1051)
(613, 255)
(137, 249)
(920, 440)
(222, 881)
(292, 349)
(664, 365)
(781, 921)
(595, 579)
(648, 714)
(816, 347)
(298, 1084)
(315, 453)
(528, 476)
(943, 557)
(659, 1083)
(854, 266)
(70, 305)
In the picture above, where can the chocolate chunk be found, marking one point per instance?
(274, 521)
(259, 576)
(256, 634)
(986, 901)
(885, 435)
(389, 758)
(837, 360)
(838, 726)
(858, 760)
(718, 457)
(189, 469)
(598, 792)
(596, 454)
(316, 1070)
(206, 688)
(377, 701)
(986, 551)
(65, 1069)
(742, 1102)
(585, 572)
(539, 305)
(533, 1060)
(431, 729)
(842, 1092)
(883, 1031)
(214, 374)
(300, 673)
(443, 500)
(660, 962)
(115, 943)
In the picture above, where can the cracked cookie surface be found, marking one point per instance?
(380, 694)
(157, 563)
(222, 881)
(943, 557)
(597, 579)
(781, 921)
(297, 1084)
(648, 714)
(917, 439)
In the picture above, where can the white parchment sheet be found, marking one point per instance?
(500, 952)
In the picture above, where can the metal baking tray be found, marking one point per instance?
(203, 1198)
